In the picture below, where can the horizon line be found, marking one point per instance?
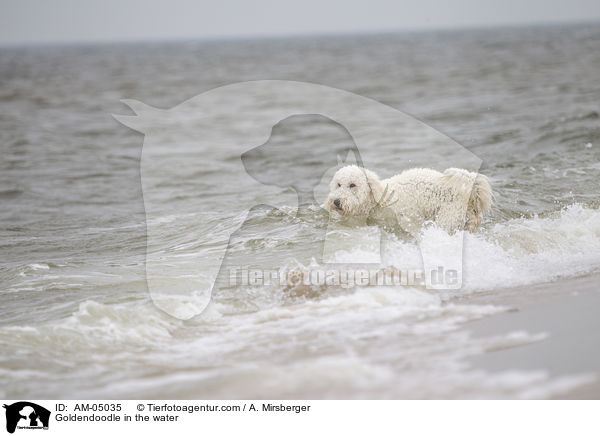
(295, 35)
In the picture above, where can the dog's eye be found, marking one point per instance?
(352, 185)
(339, 185)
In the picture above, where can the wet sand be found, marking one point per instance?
(567, 311)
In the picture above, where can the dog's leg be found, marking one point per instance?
(451, 217)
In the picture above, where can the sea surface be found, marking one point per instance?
(77, 318)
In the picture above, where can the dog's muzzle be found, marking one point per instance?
(337, 204)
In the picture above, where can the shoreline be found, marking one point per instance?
(566, 311)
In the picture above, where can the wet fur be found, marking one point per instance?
(456, 199)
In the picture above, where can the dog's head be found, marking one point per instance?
(354, 191)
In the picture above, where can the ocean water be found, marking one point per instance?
(77, 318)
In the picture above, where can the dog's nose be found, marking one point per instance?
(336, 202)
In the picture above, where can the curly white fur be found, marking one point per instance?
(455, 199)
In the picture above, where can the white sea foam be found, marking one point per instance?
(416, 332)
(376, 342)
(515, 252)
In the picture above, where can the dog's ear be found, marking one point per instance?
(375, 185)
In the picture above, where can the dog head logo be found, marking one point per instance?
(26, 415)
(210, 138)
(300, 165)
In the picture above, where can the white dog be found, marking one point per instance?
(455, 199)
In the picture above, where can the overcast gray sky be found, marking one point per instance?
(109, 20)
